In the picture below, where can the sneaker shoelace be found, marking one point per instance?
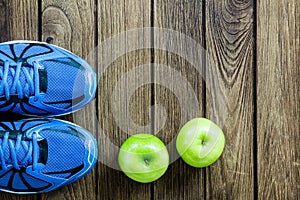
(32, 84)
(13, 146)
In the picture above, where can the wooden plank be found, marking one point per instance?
(119, 74)
(71, 25)
(178, 90)
(230, 44)
(19, 21)
(4, 36)
(278, 99)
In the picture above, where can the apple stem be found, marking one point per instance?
(146, 161)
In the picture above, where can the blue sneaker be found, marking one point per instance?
(40, 155)
(40, 79)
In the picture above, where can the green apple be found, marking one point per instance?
(200, 142)
(143, 158)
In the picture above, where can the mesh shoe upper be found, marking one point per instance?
(42, 79)
(40, 155)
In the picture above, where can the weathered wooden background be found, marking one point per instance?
(255, 47)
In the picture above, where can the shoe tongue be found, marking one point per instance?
(20, 154)
(43, 151)
(43, 80)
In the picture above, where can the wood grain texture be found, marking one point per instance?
(278, 94)
(19, 21)
(254, 77)
(176, 80)
(4, 36)
(71, 25)
(230, 45)
(118, 74)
